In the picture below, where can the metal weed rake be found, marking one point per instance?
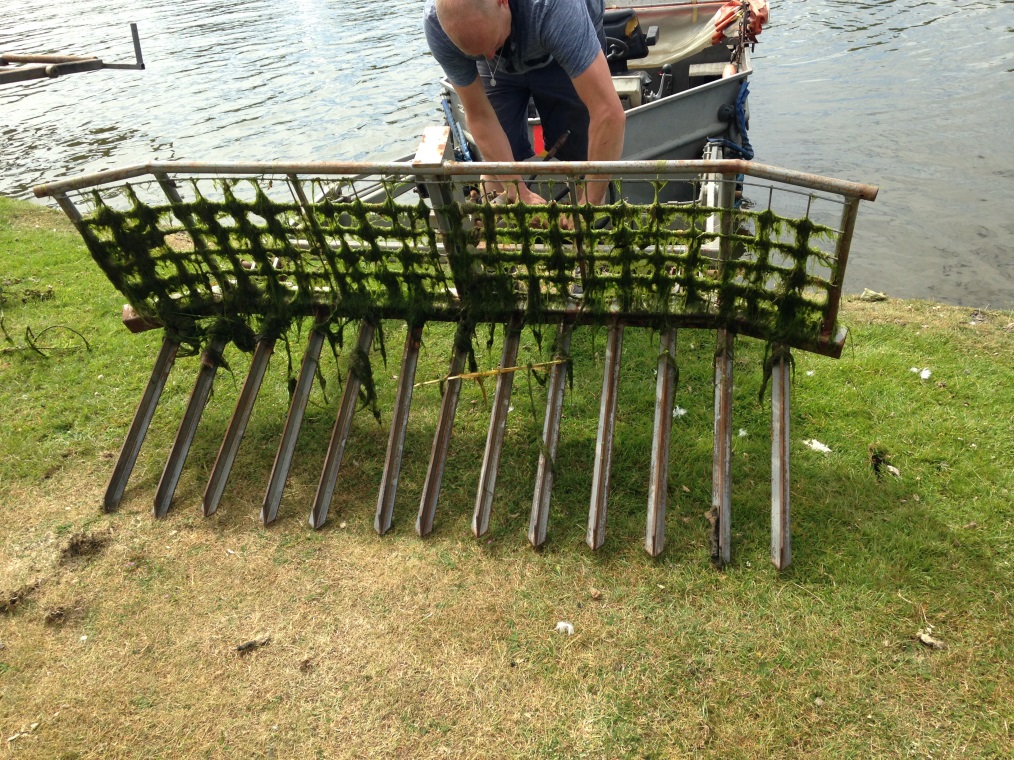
(240, 253)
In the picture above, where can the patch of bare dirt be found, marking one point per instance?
(85, 544)
(11, 599)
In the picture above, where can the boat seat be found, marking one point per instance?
(625, 39)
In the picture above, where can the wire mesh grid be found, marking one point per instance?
(752, 255)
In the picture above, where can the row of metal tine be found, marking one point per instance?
(659, 467)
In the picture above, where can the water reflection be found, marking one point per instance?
(913, 95)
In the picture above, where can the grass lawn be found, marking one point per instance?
(890, 635)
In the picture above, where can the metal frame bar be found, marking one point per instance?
(399, 427)
(293, 422)
(139, 425)
(441, 445)
(550, 440)
(781, 539)
(237, 426)
(721, 479)
(497, 429)
(53, 66)
(340, 433)
(672, 170)
(658, 484)
(721, 485)
(596, 534)
(211, 358)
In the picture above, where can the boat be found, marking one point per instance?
(681, 71)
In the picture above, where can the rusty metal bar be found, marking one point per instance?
(649, 169)
(237, 426)
(7, 58)
(138, 63)
(340, 433)
(210, 359)
(293, 422)
(308, 215)
(497, 429)
(781, 540)
(50, 71)
(658, 486)
(721, 479)
(441, 444)
(550, 440)
(139, 426)
(168, 188)
(53, 66)
(138, 58)
(721, 487)
(848, 224)
(399, 427)
(596, 534)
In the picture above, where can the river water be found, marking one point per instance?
(916, 96)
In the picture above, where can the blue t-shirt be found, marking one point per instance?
(566, 31)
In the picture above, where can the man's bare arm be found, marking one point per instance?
(490, 137)
(605, 132)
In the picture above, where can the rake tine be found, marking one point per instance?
(721, 492)
(399, 426)
(658, 488)
(139, 426)
(781, 542)
(604, 440)
(497, 429)
(294, 420)
(441, 443)
(210, 359)
(340, 433)
(550, 439)
(237, 425)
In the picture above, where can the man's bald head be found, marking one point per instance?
(476, 27)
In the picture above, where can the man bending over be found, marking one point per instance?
(499, 53)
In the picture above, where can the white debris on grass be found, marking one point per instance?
(679, 411)
(893, 470)
(924, 373)
(742, 433)
(816, 445)
(927, 638)
(809, 373)
(564, 627)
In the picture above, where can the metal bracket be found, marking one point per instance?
(53, 66)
